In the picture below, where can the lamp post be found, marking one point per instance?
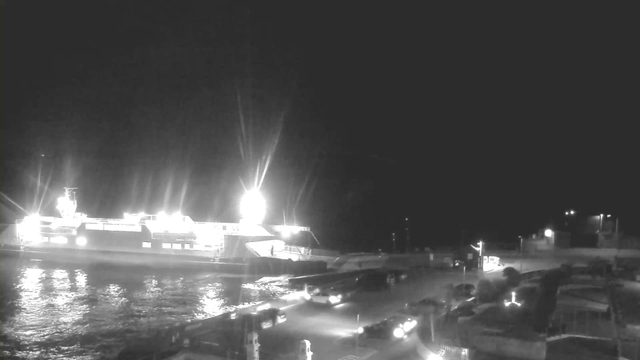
(521, 251)
(393, 240)
(407, 232)
(479, 250)
(550, 234)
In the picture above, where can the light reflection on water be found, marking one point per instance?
(51, 311)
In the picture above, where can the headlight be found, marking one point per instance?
(409, 325)
(306, 296)
(433, 356)
(360, 330)
(398, 333)
(335, 299)
(81, 240)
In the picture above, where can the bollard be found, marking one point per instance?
(252, 346)
(304, 352)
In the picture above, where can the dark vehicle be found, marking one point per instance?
(393, 328)
(276, 316)
(425, 306)
(464, 291)
(399, 275)
(375, 281)
(254, 322)
(260, 320)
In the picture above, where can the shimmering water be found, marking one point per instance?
(55, 311)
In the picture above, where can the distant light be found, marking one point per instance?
(360, 330)
(548, 233)
(253, 207)
(566, 213)
(81, 240)
(601, 215)
(572, 212)
(609, 215)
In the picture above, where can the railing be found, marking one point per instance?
(292, 249)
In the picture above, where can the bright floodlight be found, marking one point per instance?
(548, 233)
(253, 207)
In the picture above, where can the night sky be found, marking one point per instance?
(494, 121)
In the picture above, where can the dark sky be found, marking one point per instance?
(489, 120)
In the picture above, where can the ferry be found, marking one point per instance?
(158, 240)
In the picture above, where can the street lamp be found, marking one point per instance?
(253, 207)
(550, 234)
(479, 250)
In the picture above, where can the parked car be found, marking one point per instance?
(375, 281)
(260, 320)
(393, 328)
(464, 291)
(400, 275)
(425, 306)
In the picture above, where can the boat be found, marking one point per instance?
(160, 240)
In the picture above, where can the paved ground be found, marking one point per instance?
(331, 330)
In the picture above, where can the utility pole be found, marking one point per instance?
(393, 240)
(479, 250)
(406, 220)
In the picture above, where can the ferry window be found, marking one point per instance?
(166, 245)
(176, 246)
(146, 244)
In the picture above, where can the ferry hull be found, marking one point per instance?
(248, 266)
